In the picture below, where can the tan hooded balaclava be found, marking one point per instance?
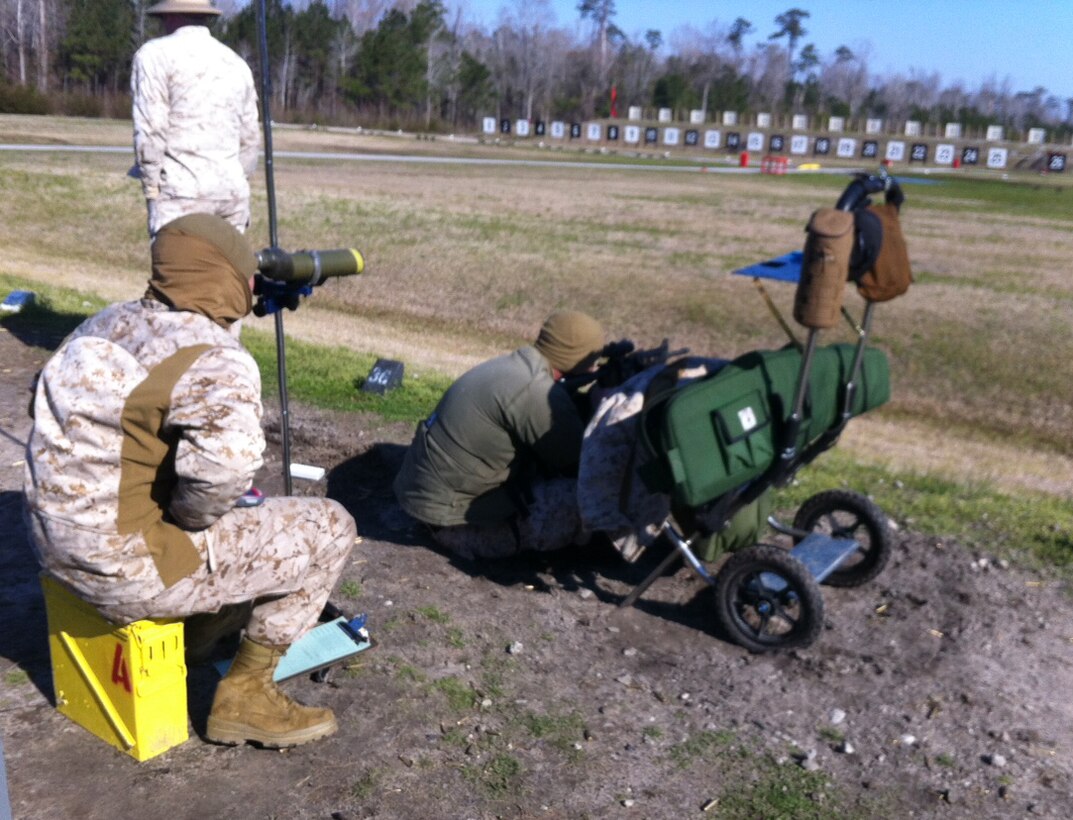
(203, 265)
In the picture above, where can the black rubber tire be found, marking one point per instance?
(759, 618)
(846, 514)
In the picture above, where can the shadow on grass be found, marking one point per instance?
(40, 326)
(363, 485)
(24, 638)
(598, 567)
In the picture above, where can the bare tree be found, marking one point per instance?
(527, 59)
(993, 98)
(953, 99)
(845, 78)
(441, 63)
(552, 68)
(15, 37)
(910, 97)
(363, 14)
(699, 54)
(768, 67)
(528, 22)
(20, 34)
(444, 57)
(635, 67)
(26, 30)
(43, 41)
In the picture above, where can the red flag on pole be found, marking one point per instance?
(614, 101)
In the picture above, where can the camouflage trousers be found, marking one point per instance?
(164, 209)
(551, 523)
(285, 556)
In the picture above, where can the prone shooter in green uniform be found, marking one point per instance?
(492, 471)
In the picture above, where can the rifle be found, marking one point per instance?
(620, 361)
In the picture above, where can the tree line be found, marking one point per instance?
(407, 64)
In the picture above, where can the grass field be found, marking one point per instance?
(465, 260)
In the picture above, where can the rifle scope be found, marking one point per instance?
(308, 267)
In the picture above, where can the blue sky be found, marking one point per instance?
(1030, 43)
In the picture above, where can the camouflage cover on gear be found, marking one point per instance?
(612, 497)
(196, 134)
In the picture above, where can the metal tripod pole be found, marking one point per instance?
(273, 241)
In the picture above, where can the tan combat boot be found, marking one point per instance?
(249, 707)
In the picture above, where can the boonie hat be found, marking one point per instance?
(204, 7)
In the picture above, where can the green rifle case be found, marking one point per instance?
(709, 437)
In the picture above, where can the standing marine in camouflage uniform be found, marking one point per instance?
(147, 429)
(195, 120)
(493, 470)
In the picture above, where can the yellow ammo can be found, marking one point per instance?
(125, 684)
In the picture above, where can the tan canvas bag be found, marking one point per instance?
(824, 268)
(891, 274)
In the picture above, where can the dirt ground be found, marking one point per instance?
(521, 689)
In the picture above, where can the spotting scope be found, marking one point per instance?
(283, 278)
(308, 267)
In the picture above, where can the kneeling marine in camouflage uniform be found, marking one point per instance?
(493, 470)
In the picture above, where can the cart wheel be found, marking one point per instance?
(766, 599)
(846, 514)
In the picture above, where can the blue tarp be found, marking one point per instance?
(785, 268)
